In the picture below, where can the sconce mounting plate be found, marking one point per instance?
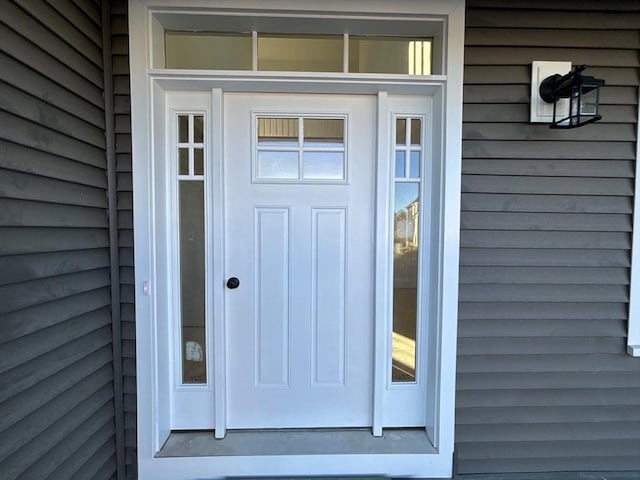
(541, 111)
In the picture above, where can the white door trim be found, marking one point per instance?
(148, 87)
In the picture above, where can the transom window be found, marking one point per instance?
(411, 55)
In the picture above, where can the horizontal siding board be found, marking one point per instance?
(613, 413)
(66, 28)
(45, 315)
(24, 159)
(27, 294)
(540, 327)
(520, 184)
(543, 293)
(609, 95)
(554, 240)
(550, 168)
(550, 257)
(17, 380)
(527, 131)
(21, 213)
(560, 20)
(519, 112)
(40, 86)
(543, 275)
(97, 409)
(90, 456)
(78, 17)
(550, 5)
(534, 381)
(548, 149)
(18, 103)
(547, 363)
(40, 35)
(540, 345)
(95, 368)
(541, 310)
(546, 221)
(516, 55)
(32, 346)
(40, 61)
(38, 421)
(91, 10)
(551, 397)
(578, 38)
(550, 431)
(557, 204)
(23, 186)
(35, 135)
(24, 240)
(546, 464)
(23, 268)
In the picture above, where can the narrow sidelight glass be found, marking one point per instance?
(406, 249)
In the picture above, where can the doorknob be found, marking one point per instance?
(233, 282)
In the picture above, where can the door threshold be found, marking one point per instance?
(352, 441)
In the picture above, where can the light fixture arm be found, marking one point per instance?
(559, 86)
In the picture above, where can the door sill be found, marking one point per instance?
(351, 441)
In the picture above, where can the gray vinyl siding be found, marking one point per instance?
(56, 372)
(120, 51)
(543, 381)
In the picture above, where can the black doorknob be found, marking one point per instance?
(233, 282)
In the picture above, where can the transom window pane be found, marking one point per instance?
(390, 55)
(208, 50)
(300, 148)
(300, 53)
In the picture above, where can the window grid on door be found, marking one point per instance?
(190, 166)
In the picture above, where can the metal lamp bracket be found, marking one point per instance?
(541, 111)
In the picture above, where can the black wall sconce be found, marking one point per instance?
(582, 92)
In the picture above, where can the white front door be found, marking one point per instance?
(299, 203)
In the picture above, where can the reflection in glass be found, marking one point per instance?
(414, 165)
(191, 198)
(405, 281)
(198, 161)
(198, 128)
(323, 132)
(400, 163)
(323, 165)
(401, 131)
(416, 131)
(183, 161)
(390, 55)
(277, 132)
(208, 50)
(276, 164)
(300, 53)
(183, 128)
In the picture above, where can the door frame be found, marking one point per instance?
(148, 87)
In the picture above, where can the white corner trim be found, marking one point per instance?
(633, 337)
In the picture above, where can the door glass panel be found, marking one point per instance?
(300, 53)
(183, 161)
(405, 281)
(198, 161)
(183, 128)
(198, 126)
(323, 132)
(401, 131)
(278, 132)
(323, 165)
(192, 262)
(414, 164)
(208, 50)
(416, 131)
(390, 55)
(277, 164)
(400, 163)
